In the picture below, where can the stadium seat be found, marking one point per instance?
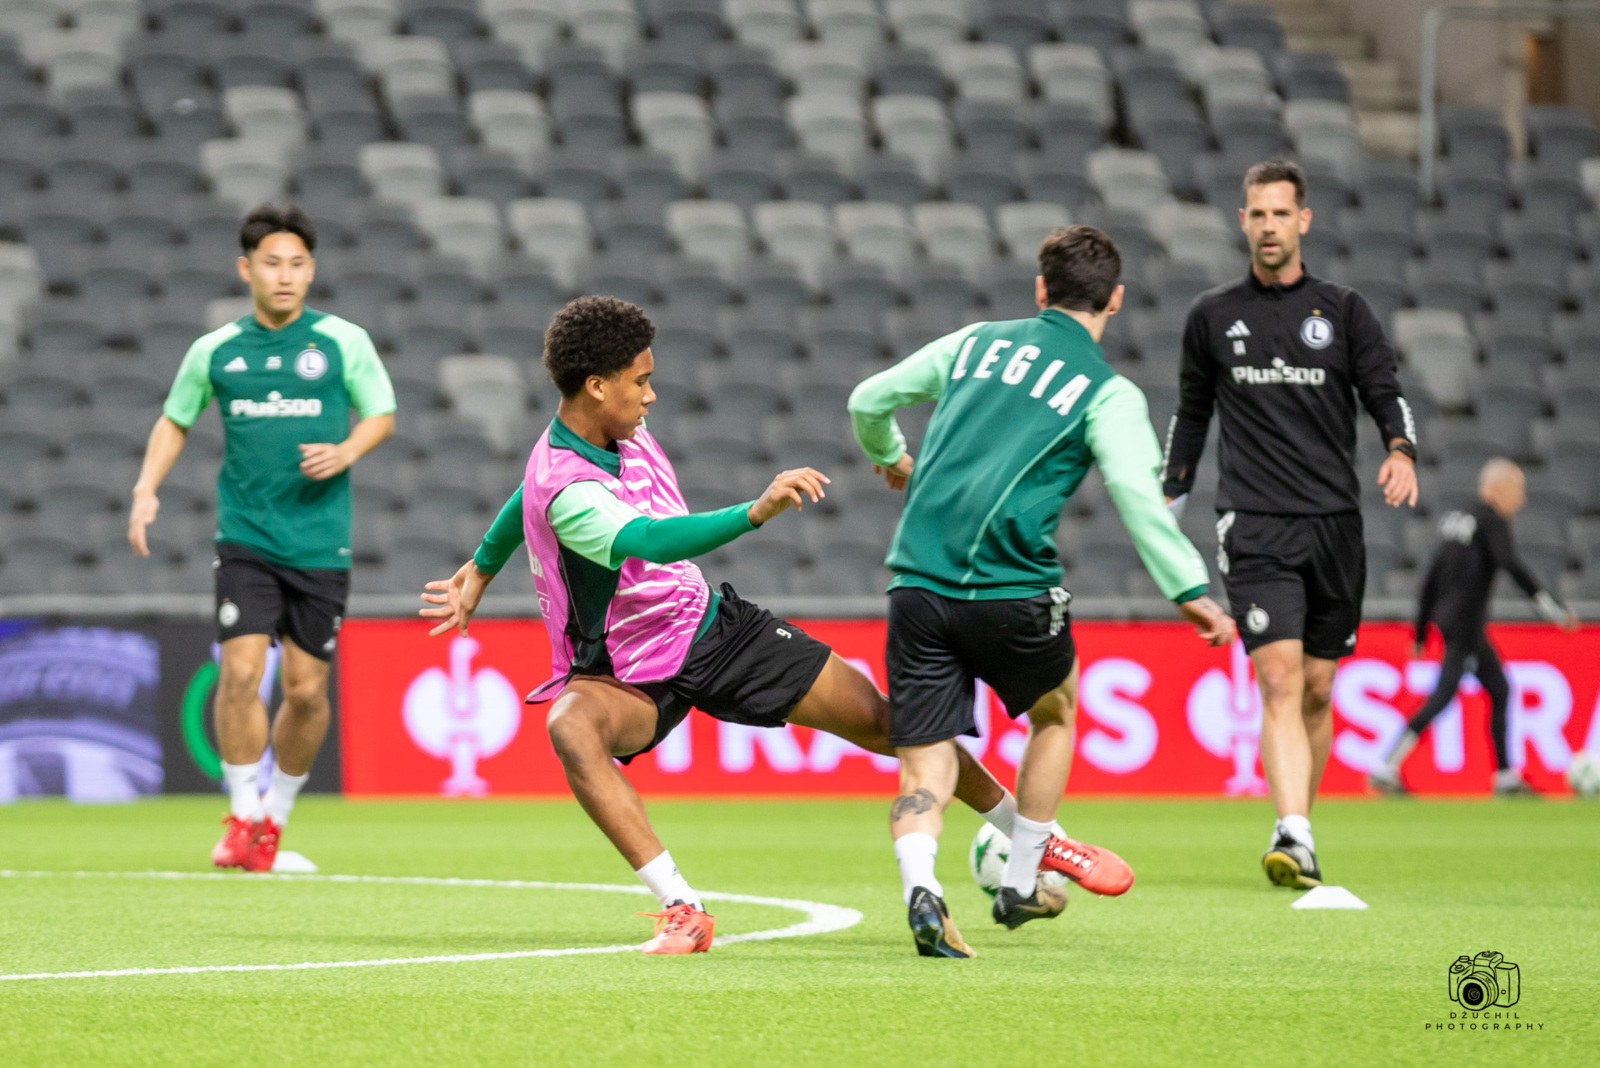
(984, 71)
(589, 119)
(713, 231)
(774, 282)
(529, 26)
(1018, 24)
(1024, 225)
(676, 124)
(930, 24)
(553, 229)
(957, 234)
(906, 70)
(643, 175)
(402, 172)
(512, 120)
(828, 125)
(692, 284)
(490, 388)
(580, 174)
(819, 69)
(855, 25)
(767, 23)
(892, 178)
(753, 122)
(915, 127)
(800, 233)
(468, 227)
(1438, 344)
(635, 229)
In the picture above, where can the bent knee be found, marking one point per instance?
(572, 733)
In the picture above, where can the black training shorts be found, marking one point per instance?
(748, 667)
(257, 596)
(1294, 576)
(937, 646)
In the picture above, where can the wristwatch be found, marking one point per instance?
(1405, 447)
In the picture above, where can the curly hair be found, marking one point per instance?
(594, 336)
(267, 219)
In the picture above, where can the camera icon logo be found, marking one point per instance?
(1486, 981)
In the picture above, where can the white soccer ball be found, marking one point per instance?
(987, 859)
(1583, 774)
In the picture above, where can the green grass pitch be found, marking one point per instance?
(1201, 963)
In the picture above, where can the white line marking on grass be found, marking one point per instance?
(820, 919)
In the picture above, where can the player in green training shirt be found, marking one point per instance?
(285, 378)
(1024, 408)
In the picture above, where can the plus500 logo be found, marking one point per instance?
(276, 404)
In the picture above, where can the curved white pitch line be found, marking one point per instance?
(820, 919)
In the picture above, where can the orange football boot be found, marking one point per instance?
(680, 928)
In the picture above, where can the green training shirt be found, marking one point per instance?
(278, 390)
(1025, 406)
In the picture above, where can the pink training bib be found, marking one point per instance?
(656, 609)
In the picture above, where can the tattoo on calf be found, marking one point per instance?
(915, 803)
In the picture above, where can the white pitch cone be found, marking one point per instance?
(1324, 897)
(288, 862)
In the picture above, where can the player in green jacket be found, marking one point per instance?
(286, 379)
(1024, 408)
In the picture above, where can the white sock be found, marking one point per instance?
(244, 795)
(915, 853)
(1027, 847)
(1298, 828)
(281, 794)
(1002, 814)
(661, 875)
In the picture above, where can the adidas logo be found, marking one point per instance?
(1238, 329)
(237, 364)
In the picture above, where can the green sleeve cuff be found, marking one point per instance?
(1188, 595)
(680, 537)
(504, 535)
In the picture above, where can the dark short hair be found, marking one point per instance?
(1080, 266)
(1275, 170)
(269, 219)
(594, 336)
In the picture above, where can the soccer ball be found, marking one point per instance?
(1583, 774)
(987, 859)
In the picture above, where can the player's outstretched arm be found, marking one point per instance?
(790, 487)
(160, 453)
(323, 460)
(456, 599)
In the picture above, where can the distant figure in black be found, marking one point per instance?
(1475, 544)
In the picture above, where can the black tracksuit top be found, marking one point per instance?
(1282, 365)
(1474, 545)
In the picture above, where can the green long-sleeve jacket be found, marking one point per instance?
(1025, 406)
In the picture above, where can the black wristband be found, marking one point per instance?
(1404, 447)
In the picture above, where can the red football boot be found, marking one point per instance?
(1097, 870)
(234, 848)
(263, 845)
(680, 928)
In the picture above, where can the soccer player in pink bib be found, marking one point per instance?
(637, 636)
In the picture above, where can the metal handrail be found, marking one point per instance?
(1432, 22)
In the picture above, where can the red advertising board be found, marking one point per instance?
(1160, 713)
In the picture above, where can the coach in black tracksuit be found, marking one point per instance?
(1282, 357)
(1475, 544)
